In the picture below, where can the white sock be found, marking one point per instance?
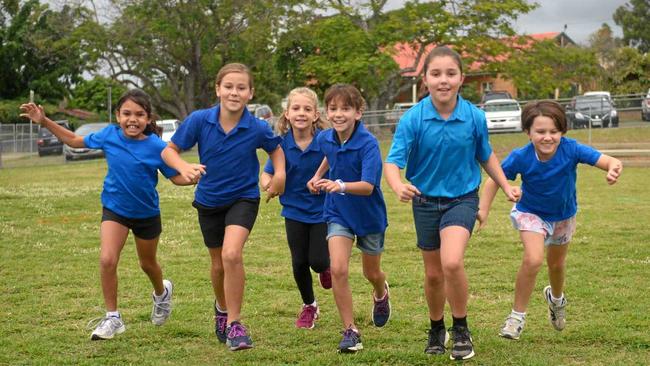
(114, 314)
(314, 304)
(557, 301)
(518, 315)
(216, 305)
(158, 298)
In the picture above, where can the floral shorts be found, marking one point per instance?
(555, 232)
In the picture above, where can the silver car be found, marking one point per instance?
(645, 107)
(72, 153)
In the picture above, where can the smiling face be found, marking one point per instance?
(443, 78)
(234, 92)
(545, 136)
(342, 117)
(301, 112)
(133, 119)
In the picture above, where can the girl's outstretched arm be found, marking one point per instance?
(36, 114)
(190, 172)
(493, 169)
(276, 185)
(612, 166)
(405, 192)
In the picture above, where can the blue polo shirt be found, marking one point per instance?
(232, 167)
(297, 202)
(130, 183)
(549, 187)
(359, 159)
(441, 156)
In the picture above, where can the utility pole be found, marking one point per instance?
(31, 138)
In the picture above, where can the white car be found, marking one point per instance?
(502, 115)
(169, 127)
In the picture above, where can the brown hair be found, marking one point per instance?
(442, 51)
(282, 127)
(547, 108)
(234, 67)
(142, 99)
(347, 94)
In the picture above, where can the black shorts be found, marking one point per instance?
(148, 228)
(213, 220)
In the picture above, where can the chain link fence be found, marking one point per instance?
(17, 138)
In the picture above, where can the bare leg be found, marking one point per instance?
(216, 277)
(340, 249)
(146, 249)
(113, 236)
(452, 252)
(233, 265)
(434, 288)
(373, 273)
(532, 260)
(556, 259)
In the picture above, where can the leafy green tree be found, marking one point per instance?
(39, 49)
(92, 95)
(539, 70)
(634, 18)
(173, 49)
(631, 71)
(605, 45)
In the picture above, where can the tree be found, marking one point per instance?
(361, 37)
(605, 45)
(631, 71)
(539, 70)
(92, 95)
(176, 54)
(634, 18)
(39, 49)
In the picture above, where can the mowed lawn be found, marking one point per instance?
(49, 281)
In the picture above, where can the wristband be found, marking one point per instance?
(341, 184)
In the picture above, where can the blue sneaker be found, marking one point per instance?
(351, 341)
(381, 308)
(220, 325)
(238, 338)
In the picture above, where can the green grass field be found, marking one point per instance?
(49, 287)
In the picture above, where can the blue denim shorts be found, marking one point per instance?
(372, 244)
(432, 214)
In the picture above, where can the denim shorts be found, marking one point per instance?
(555, 232)
(372, 244)
(432, 214)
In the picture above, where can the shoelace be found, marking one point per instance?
(307, 313)
(95, 322)
(237, 330)
(161, 306)
(222, 322)
(461, 334)
(382, 305)
(434, 340)
(349, 334)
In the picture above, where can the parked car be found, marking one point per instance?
(495, 94)
(595, 109)
(262, 111)
(169, 127)
(645, 107)
(47, 143)
(502, 115)
(73, 153)
(604, 94)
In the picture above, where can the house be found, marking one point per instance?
(474, 75)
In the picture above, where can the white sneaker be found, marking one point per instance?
(107, 328)
(512, 327)
(556, 313)
(163, 308)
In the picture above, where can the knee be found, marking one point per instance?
(148, 265)
(108, 263)
(532, 264)
(373, 275)
(231, 258)
(434, 278)
(556, 266)
(319, 265)
(453, 267)
(339, 272)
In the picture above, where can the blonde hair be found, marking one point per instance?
(283, 125)
(234, 67)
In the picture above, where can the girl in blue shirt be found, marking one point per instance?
(546, 214)
(227, 196)
(129, 199)
(354, 206)
(303, 212)
(443, 141)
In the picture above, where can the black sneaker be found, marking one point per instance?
(220, 325)
(462, 347)
(437, 343)
(351, 341)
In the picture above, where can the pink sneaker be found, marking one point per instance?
(325, 279)
(307, 317)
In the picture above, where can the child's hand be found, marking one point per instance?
(614, 172)
(274, 188)
(328, 186)
(33, 112)
(406, 192)
(192, 172)
(512, 193)
(311, 185)
(481, 216)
